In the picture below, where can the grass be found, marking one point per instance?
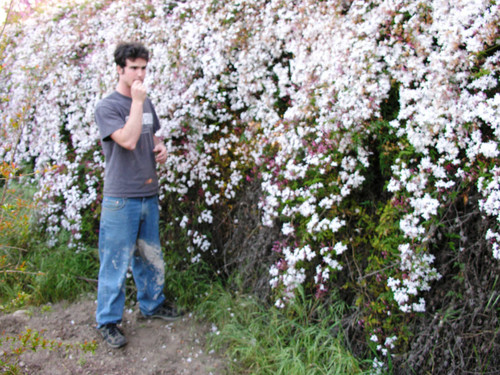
(259, 339)
(47, 275)
(30, 271)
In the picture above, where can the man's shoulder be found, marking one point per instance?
(113, 100)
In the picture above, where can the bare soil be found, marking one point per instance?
(155, 347)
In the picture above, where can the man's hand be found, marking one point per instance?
(161, 152)
(138, 91)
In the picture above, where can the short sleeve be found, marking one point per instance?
(108, 120)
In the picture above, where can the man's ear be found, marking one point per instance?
(119, 69)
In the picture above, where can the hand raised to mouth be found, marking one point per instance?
(138, 91)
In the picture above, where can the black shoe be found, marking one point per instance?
(165, 312)
(113, 336)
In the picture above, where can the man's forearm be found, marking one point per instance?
(128, 136)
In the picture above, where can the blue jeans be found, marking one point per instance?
(129, 236)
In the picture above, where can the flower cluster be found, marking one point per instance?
(294, 90)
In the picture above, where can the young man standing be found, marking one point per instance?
(129, 229)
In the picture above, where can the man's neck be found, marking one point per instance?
(123, 89)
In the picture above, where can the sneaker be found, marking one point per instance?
(165, 312)
(112, 335)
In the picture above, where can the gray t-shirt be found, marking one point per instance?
(128, 173)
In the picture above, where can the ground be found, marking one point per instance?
(155, 347)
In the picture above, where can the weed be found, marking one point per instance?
(15, 346)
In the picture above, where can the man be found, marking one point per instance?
(129, 228)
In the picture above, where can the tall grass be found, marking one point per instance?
(30, 271)
(48, 275)
(303, 338)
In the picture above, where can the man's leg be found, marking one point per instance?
(117, 235)
(148, 266)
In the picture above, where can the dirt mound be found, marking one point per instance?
(155, 347)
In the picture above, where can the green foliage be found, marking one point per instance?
(48, 275)
(380, 313)
(390, 107)
(187, 282)
(30, 271)
(17, 208)
(303, 338)
(66, 274)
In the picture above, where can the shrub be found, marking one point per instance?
(371, 129)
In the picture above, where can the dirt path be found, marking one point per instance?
(155, 347)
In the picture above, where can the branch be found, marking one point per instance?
(86, 279)
(7, 14)
(14, 248)
(24, 272)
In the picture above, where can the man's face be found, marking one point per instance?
(134, 70)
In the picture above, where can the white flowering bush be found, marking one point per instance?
(364, 122)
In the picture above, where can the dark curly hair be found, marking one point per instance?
(130, 51)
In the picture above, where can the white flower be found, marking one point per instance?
(489, 149)
(340, 248)
(425, 206)
(394, 185)
(287, 229)
(420, 306)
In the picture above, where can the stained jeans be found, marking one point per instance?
(129, 236)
